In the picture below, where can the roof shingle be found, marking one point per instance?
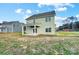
(51, 13)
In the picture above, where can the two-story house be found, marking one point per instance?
(13, 26)
(43, 23)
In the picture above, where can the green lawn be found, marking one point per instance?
(67, 33)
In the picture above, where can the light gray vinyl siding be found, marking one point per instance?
(41, 22)
(8, 28)
(17, 27)
(12, 27)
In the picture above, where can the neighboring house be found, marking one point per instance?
(13, 26)
(43, 23)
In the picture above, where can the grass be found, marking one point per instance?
(67, 33)
(15, 44)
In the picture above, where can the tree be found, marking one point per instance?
(72, 19)
(60, 28)
(66, 26)
(70, 23)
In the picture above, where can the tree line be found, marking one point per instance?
(72, 24)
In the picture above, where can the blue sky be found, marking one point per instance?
(20, 11)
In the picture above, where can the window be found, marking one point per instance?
(48, 19)
(34, 30)
(48, 29)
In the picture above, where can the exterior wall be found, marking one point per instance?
(29, 30)
(3, 30)
(43, 25)
(17, 27)
(14, 27)
(8, 28)
(29, 21)
(0, 28)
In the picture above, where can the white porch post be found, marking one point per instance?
(22, 30)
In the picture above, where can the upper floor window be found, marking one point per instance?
(48, 19)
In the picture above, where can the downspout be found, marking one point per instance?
(23, 30)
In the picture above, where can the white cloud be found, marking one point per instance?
(37, 11)
(61, 9)
(18, 10)
(71, 5)
(77, 15)
(59, 20)
(57, 6)
(1, 20)
(28, 11)
(63, 5)
(39, 5)
(26, 16)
